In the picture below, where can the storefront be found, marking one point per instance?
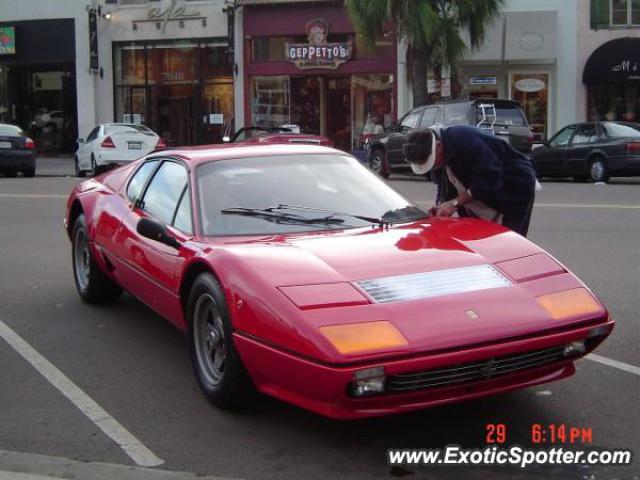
(181, 89)
(37, 81)
(304, 65)
(518, 61)
(167, 64)
(612, 78)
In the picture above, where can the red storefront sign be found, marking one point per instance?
(318, 53)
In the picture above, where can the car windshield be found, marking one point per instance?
(618, 130)
(11, 130)
(235, 196)
(127, 128)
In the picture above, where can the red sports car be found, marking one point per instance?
(298, 273)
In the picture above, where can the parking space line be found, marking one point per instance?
(140, 454)
(613, 363)
(31, 195)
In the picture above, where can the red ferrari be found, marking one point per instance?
(298, 273)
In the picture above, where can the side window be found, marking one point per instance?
(93, 135)
(562, 137)
(139, 179)
(183, 214)
(429, 117)
(163, 193)
(410, 120)
(585, 134)
(456, 114)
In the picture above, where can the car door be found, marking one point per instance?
(85, 149)
(578, 150)
(151, 269)
(396, 140)
(550, 158)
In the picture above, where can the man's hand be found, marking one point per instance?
(445, 209)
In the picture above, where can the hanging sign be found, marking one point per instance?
(93, 40)
(7, 41)
(318, 53)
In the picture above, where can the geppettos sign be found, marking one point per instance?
(318, 53)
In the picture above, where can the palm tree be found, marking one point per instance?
(432, 29)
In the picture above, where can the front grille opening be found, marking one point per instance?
(473, 372)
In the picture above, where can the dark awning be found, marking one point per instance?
(617, 61)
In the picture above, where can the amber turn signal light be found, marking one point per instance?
(362, 337)
(570, 303)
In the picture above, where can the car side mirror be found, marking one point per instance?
(156, 231)
(80, 141)
(226, 139)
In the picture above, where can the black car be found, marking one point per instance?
(17, 152)
(591, 151)
(505, 118)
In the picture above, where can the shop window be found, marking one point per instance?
(382, 47)
(270, 101)
(272, 49)
(372, 106)
(129, 61)
(614, 102)
(531, 91)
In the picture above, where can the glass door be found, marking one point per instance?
(338, 112)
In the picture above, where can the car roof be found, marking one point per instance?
(206, 153)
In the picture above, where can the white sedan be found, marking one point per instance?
(113, 144)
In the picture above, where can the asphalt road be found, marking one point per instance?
(136, 366)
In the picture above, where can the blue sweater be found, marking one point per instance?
(493, 171)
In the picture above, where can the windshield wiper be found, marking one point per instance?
(376, 221)
(281, 217)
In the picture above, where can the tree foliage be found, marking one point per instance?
(432, 28)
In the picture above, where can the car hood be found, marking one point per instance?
(350, 256)
(299, 283)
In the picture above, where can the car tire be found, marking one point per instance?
(29, 172)
(93, 285)
(217, 365)
(79, 173)
(378, 163)
(598, 171)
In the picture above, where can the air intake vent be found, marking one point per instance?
(434, 284)
(473, 372)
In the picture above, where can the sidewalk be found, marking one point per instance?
(29, 466)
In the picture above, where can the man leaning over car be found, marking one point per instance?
(480, 175)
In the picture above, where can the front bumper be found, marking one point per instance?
(323, 389)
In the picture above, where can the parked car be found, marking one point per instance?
(51, 121)
(113, 144)
(509, 122)
(17, 151)
(591, 151)
(275, 135)
(296, 271)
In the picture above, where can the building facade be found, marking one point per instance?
(44, 68)
(529, 55)
(608, 60)
(303, 64)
